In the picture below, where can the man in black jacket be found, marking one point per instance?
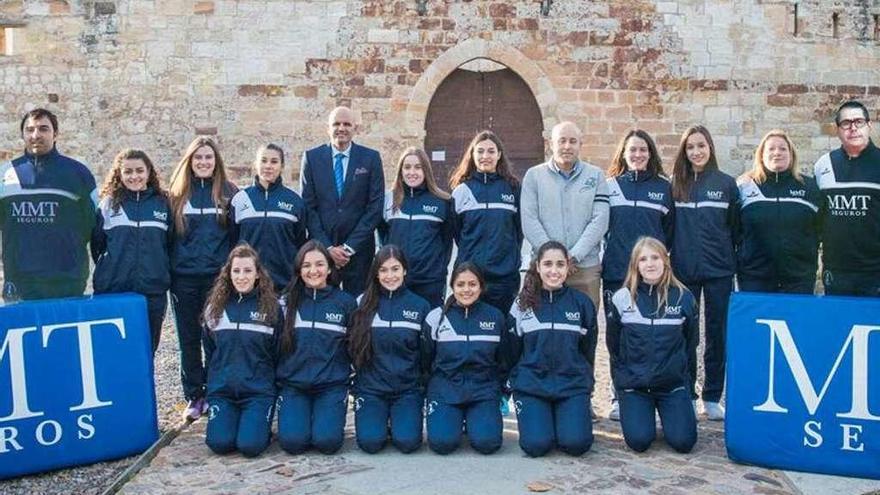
(849, 180)
(343, 187)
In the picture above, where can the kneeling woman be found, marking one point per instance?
(464, 342)
(314, 365)
(652, 332)
(242, 322)
(386, 348)
(551, 352)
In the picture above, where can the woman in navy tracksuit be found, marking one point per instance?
(199, 195)
(706, 217)
(270, 217)
(314, 366)
(551, 347)
(641, 204)
(780, 222)
(386, 348)
(464, 339)
(418, 217)
(651, 334)
(487, 225)
(242, 323)
(132, 236)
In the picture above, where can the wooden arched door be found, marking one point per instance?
(467, 102)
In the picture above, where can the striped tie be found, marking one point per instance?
(337, 174)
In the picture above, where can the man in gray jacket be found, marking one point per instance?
(566, 200)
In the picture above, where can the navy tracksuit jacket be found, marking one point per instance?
(201, 250)
(319, 358)
(272, 221)
(240, 352)
(641, 205)
(47, 212)
(650, 346)
(779, 233)
(130, 245)
(423, 229)
(705, 224)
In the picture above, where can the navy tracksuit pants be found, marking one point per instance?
(433, 292)
(840, 283)
(501, 292)
(445, 422)
(372, 414)
(544, 424)
(717, 293)
(188, 295)
(676, 416)
(312, 419)
(747, 284)
(244, 425)
(157, 304)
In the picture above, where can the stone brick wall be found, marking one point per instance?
(153, 73)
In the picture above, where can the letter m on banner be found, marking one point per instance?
(799, 372)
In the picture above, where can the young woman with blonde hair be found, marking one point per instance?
(779, 231)
(651, 334)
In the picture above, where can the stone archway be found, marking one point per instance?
(464, 52)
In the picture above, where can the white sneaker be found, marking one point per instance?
(614, 415)
(714, 411)
(697, 414)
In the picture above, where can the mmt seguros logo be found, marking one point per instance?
(51, 430)
(75, 382)
(850, 404)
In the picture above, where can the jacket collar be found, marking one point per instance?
(274, 185)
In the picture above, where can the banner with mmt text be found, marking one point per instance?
(76, 382)
(803, 383)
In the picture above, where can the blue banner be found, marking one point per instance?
(76, 382)
(803, 383)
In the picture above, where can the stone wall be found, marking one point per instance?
(153, 73)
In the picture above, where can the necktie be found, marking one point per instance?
(337, 173)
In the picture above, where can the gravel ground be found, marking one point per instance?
(95, 478)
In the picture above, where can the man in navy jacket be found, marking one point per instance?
(47, 211)
(343, 188)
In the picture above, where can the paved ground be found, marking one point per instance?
(188, 467)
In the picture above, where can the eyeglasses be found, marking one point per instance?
(849, 124)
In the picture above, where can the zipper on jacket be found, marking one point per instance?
(137, 248)
(201, 207)
(266, 204)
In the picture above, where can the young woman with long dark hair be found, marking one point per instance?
(488, 229)
(387, 351)
(641, 203)
(706, 217)
(551, 353)
(199, 193)
(418, 217)
(242, 324)
(465, 356)
(651, 335)
(314, 365)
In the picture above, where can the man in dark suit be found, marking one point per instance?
(343, 187)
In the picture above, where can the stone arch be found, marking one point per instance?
(534, 77)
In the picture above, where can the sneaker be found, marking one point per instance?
(593, 416)
(714, 411)
(696, 414)
(505, 407)
(614, 415)
(195, 409)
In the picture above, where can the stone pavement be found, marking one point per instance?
(188, 467)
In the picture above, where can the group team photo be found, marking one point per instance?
(296, 301)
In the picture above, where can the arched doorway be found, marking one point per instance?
(478, 95)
